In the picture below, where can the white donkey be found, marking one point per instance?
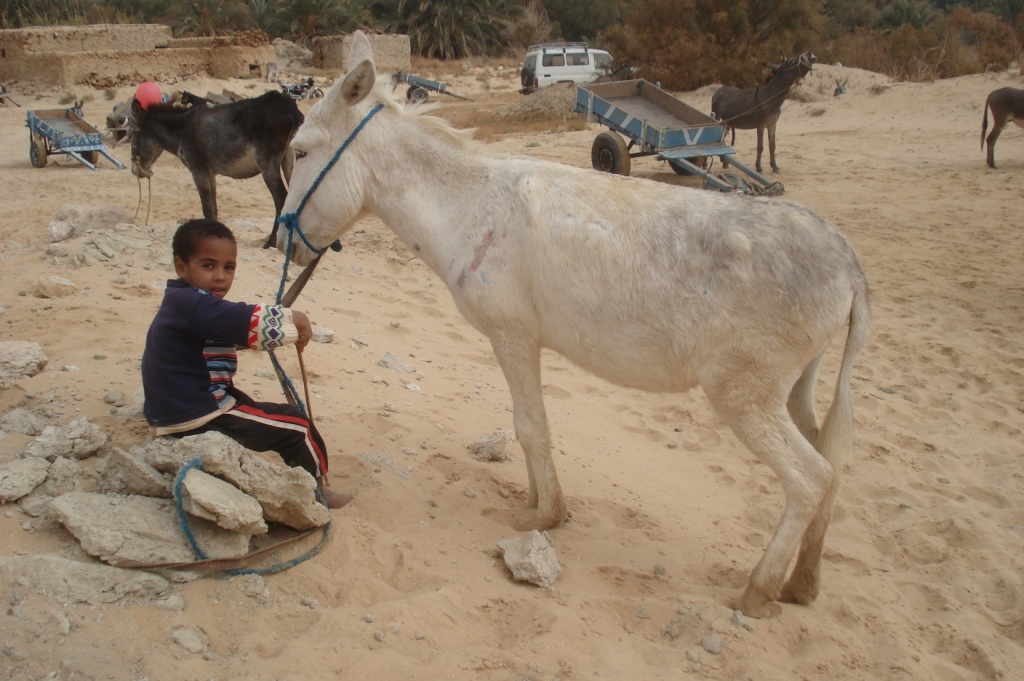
(647, 285)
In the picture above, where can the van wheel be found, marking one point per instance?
(416, 94)
(610, 154)
(699, 161)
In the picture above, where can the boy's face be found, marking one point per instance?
(212, 266)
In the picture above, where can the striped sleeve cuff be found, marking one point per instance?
(270, 327)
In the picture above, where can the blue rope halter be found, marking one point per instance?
(291, 220)
(291, 223)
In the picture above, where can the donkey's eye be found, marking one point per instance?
(299, 154)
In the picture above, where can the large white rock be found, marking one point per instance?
(53, 286)
(19, 359)
(287, 495)
(23, 422)
(79, 439)
(74, 219)
(531, 558)
(67, 581)
(21, 476)
(213, 499)
(129, 473)
(125, 530)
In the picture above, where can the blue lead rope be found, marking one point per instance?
(291, 224)
(197, 463)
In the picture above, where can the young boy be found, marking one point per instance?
(190, 357)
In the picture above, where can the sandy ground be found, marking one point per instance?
(922, 572)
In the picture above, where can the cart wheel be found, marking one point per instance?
(91, 156)
(699, 161)
(610, 154)
(37, 153)
(416, 94)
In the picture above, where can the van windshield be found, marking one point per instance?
(602, 60)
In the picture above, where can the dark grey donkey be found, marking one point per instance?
(240, 140)
(1007, 105)
(840, 88)
(760, 107)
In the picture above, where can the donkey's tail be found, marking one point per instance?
(984, 123)
(835, 439)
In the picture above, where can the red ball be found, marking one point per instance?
(148, 93)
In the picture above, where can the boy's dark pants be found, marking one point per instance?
(266, 427)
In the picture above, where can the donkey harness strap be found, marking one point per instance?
(291, 220)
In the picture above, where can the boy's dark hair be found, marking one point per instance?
(186, 239)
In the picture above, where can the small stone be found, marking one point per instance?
(693, 654)
(739, 620)
(420, 636)
(672, 444)
(99, 356)
(311, 603)
(944, 481)
(368, 618)
(321, 334)
(711, 643)
(378, 635)
(114, 397)
(53, 286)
(659, 569)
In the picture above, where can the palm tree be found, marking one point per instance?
(261, 13)
(305, 19)
(450, 29)
(208, 17)
(900, 12)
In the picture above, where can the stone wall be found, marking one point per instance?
(390, 52)
(106, 56)
(94, 38)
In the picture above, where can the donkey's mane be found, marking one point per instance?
(419, 114)
(168, 107)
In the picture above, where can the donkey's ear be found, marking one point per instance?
(358, 82)
(359, 50)
(137, 109)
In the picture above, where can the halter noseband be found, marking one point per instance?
(291, 220)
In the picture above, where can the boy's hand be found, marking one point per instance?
(305, 329)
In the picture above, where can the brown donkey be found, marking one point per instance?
(761, 107)
(1007, 105)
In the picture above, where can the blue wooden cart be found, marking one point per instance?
(420, 88)
(65, 131)
(656, 123)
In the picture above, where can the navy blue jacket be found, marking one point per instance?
(182, 346)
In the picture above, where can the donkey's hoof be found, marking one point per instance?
(753, 604)
(524, 519)
(798, 592)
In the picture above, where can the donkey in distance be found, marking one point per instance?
(761, 107)
(239, 140)
(647, 285)
(1007, 104)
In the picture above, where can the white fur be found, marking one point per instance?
(647, 285)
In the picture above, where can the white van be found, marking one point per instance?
(550, 63)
